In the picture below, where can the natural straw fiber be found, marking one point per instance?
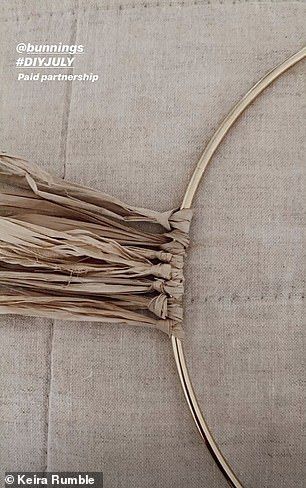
(70, 252)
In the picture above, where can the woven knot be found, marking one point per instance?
(168, 304)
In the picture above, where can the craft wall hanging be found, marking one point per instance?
(70, 252)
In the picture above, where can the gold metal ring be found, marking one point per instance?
(194, 182)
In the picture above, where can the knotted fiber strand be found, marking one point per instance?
(70, 252)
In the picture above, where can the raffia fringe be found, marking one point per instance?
(70, 252)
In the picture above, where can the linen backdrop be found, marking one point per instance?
(85, 396)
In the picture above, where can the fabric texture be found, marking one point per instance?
(66, 252)
(76, 396)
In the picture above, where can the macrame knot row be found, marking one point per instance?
(71, 252)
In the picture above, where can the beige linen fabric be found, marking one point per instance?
(107, 397)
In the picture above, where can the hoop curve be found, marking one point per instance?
(192, 187)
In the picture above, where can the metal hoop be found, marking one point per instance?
(194, 182)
